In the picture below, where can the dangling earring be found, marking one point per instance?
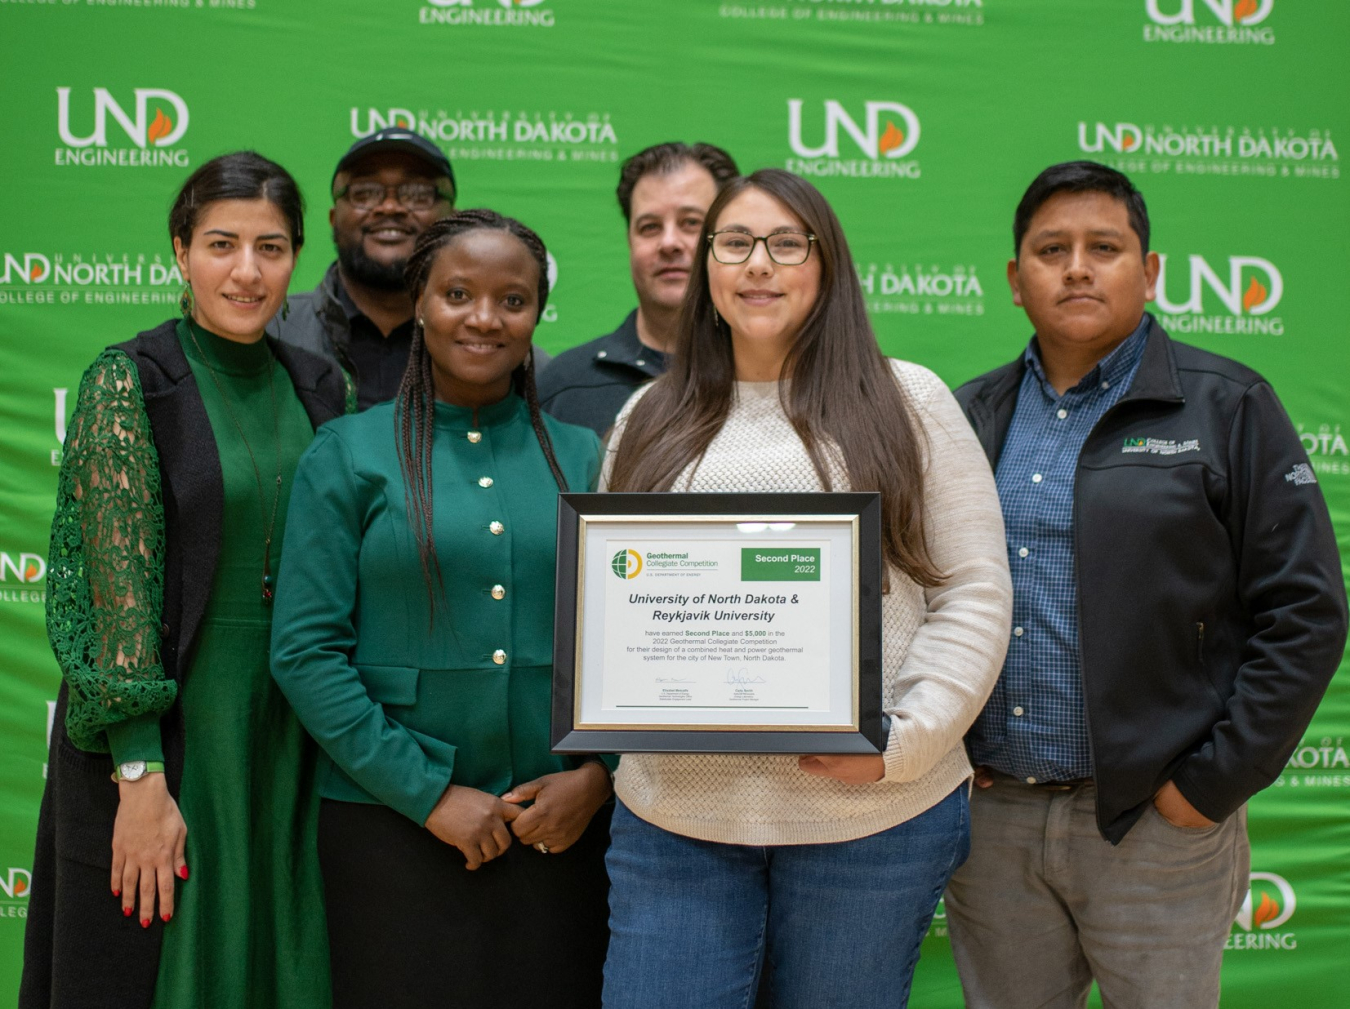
(185, 302)
(421, 324)
(717, 319)
(285, 309)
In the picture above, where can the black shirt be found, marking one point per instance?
(588, 385)
(378, 360)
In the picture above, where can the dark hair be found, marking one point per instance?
(1080, 177)
(662, 159)
(243, 175)
(842, 394)
(414, 406)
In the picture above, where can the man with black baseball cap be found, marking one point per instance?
(386, 190)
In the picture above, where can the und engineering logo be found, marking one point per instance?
(1209, 21)
(890, 131)
(151, 137)
(1251, 291)
(1270, 903)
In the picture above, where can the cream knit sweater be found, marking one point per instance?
(942, 649)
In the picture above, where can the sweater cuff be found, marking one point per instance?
(136, 739)
(894, 756)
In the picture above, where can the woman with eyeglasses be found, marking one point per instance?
(820, 872)
(463, 862)
(176, 863)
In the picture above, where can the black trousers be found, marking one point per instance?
(408, 925)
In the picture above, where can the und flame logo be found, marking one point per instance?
(1227, 12)
(163, 130)
(893, 142)
(1253, 298)
(1273, 908)
(17, 884)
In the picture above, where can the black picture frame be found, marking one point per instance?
(869, 735)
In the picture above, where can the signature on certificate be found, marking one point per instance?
(741, 677)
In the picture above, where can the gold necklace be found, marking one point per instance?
(269, 522)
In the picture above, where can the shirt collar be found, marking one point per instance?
(344, 300)
(1114, 368)
(624, 348)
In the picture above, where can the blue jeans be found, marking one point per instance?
(693, 922)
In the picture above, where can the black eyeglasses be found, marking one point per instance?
(786, 248)
(410, 195)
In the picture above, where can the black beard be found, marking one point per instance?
(372, 273)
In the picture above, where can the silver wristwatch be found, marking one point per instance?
(134, 770)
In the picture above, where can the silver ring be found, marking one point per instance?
(541, 847)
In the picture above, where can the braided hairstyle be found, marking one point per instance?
(414, 406)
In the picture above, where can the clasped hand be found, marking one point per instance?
(480, 824)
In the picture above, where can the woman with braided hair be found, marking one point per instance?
(414, 637)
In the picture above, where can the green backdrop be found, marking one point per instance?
(921, 120)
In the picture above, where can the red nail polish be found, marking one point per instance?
(166, 917)
(126, 912)
(117, 893)
(145, 923)
(183, 873)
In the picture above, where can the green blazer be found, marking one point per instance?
(401, 705)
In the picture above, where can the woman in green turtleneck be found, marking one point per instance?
(176, 862)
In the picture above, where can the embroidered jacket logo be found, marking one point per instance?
(1159, 446)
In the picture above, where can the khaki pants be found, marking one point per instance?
(1044, 904)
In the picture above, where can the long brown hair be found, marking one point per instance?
(414, 406)
(839, 389)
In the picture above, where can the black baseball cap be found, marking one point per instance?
(396, 138)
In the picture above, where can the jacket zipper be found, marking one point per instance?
(1200, 642)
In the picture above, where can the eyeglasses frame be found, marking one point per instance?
(810, 242)
(441, 194)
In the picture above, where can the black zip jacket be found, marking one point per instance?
(1212, 610)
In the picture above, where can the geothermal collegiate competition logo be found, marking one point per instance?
(827, 139)
(1270, 904)
(485, 135)
(1223, 22)
(142, 137)
(501, 13)
(1214, 151)
(1248, 291)
(626, 564)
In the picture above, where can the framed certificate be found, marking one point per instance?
(718, 623)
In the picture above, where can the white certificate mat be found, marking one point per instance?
(717, 624)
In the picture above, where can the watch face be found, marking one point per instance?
(131, 770)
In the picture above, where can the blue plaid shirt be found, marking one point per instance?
(1035, 724)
